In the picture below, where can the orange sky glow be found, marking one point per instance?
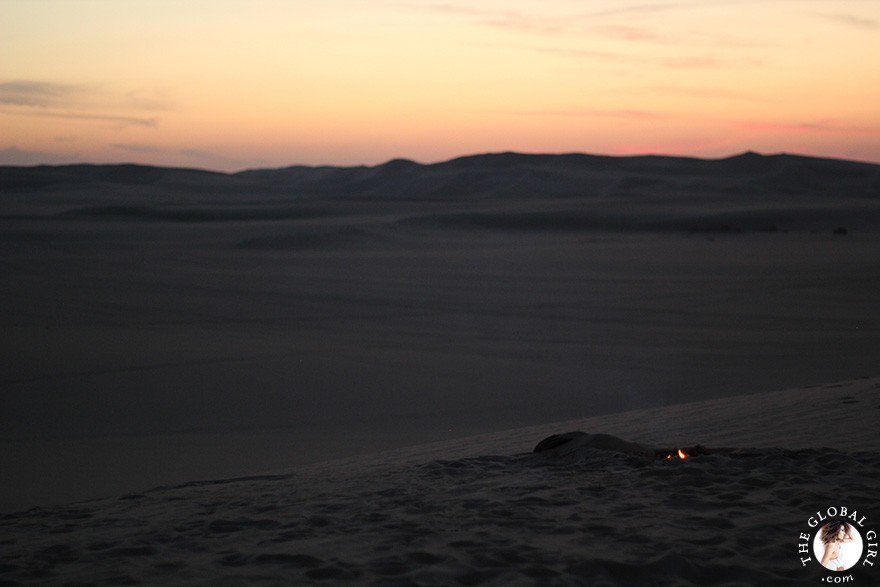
(235, 84)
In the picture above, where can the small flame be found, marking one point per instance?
(681, 454)
(668, 456)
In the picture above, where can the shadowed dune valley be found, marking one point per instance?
(320, 375)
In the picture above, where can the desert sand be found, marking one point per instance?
(167, 326)
(485, 510)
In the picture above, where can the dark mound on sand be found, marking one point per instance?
(576, 442)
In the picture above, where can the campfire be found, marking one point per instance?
(684, 453)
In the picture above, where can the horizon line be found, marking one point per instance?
(407, 160)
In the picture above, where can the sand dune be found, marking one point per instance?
(486, 511)
(164, 325)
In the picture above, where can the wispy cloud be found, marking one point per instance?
(621, 113)
(600, 25)
(456, 9)
(630, 33)
(819, 126)
(82, 102)
(490, 15)
(589, 54)
(694, 62)
(38, 94)
(85, 116)
(672, 62)
(685, 38)
(850, 20)
(707, 93)
(504, 19)
(123, 120)
(639, 9)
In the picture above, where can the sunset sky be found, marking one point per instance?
(232, 84)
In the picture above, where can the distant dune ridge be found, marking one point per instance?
(747, 192)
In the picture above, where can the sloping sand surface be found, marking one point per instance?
(486, 511)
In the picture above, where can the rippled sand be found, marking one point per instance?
(487, 511)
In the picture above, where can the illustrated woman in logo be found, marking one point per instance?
(834, 534)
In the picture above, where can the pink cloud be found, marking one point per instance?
(601, 113)
(680, 62)
(629, 33)
(825, 126)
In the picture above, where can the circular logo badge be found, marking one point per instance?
(838, 546)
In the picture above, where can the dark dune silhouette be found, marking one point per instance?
(672, 193)
(537, 176)
(272, 317)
